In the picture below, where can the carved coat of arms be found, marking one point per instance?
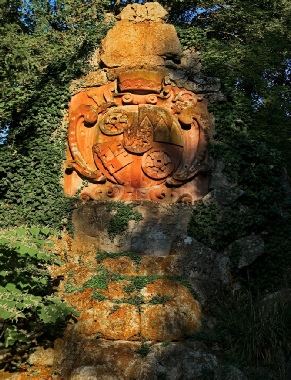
(136, 138)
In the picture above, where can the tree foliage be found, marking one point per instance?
(25, 304)
(247, 45)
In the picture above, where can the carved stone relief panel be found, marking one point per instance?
(138, 139)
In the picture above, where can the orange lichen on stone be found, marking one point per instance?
(94, 358)
(80, 300)
(178, 312)
(111, 321)
(157, 265)
(116, 291)
(127, 43)
(123, 265)
(34, 373)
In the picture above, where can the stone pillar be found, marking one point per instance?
(138, 132)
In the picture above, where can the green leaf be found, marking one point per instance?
(5, 314)
(45, 231)
(20, 231)
(34, 231)
(11, 287)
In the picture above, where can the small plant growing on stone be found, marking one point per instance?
(98, 281)
(69, 287)
(123, 214)
(98, 296)
(144, 349)
(113, 255)
(161, 299)
(114, 309)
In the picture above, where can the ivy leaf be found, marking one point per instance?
(20, 231)
(12, 335)
(45, 231)
(22, 285)
(24, 250)
(2, 290)
(5, 314)
(12, 288)
(34, 231)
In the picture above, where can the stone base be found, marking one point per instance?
(121, 360)
(153, 235)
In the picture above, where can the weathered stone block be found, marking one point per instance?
(173, 312)
(110, 321)
(153, 235)
(201, 265)
(128, 44)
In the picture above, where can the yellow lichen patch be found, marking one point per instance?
(82, 301)
(157, 265)
(122, 265)
(171, 312)
(116, 289)
(111, 321)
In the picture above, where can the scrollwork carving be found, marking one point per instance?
(147, 140)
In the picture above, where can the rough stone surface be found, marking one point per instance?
(142, 44)
(169, 320)
(191, 61)
(231, 373)
(42, 357)
(137, 305)
(147, 12)
(153, 235)
(275, 301)
(200, 265)
(113, 358)
(224, 196)
(218, 179)
(111, 321)
(177, 361)
(246, 250)
(93, 373)
(198, 83)
(215, 97)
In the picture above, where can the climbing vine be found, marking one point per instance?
(33, 153)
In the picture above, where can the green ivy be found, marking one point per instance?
(123, 213)
(33, 153)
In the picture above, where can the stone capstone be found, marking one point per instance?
(140, 13)
(149, 44)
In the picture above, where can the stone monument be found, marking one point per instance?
(138, 131)
(134, 132)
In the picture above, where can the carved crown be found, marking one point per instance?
(140, 81)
